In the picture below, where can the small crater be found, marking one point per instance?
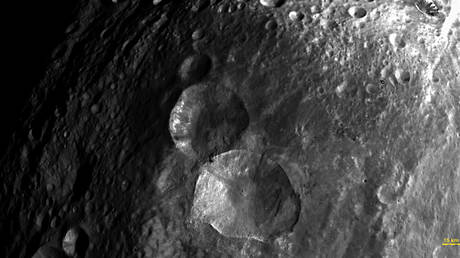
(428, 7)
(357, 12)
(271, 3)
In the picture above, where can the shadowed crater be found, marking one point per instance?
(207, 121)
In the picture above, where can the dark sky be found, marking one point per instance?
(31, 30)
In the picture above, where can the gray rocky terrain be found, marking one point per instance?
(225, 128)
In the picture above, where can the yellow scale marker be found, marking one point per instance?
(451, 241)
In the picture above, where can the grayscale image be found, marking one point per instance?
(231, 128)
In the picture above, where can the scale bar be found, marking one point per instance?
(450, 243)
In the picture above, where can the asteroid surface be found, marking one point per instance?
(242, 194)
(351, 107)
(207, 120)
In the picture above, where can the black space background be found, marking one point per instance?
(32, 29)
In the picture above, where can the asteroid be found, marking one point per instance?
(231, 128)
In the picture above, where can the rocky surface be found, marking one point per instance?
(245, 195)
(358, 102)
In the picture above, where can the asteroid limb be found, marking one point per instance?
(245, 195)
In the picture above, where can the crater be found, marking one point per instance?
(242, 194)
(207, 120)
